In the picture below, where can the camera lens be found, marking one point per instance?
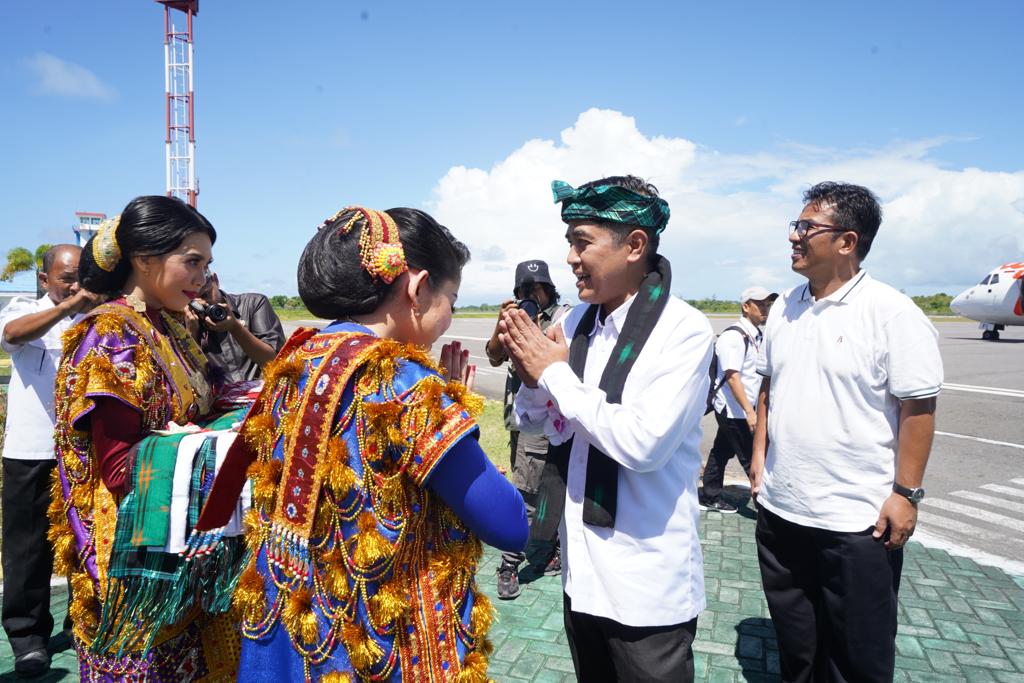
(529, 307)
(216, 313)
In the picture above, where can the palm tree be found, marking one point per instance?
(21, 259)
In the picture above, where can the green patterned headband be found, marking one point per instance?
(610, 203)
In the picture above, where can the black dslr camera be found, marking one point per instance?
(214, 312)
(529, 307)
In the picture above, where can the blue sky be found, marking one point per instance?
(309, 108)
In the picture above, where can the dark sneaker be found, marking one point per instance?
(508, 581)
(716, 506)
(32, 664)
(554, 565)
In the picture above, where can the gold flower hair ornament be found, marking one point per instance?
(380, 248)
(105, 249)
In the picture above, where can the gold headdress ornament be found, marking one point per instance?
(380, 248)
(105, 249)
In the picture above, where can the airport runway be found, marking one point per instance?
(975, 479)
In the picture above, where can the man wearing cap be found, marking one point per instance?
(533, 286)
(846, 415)
(621, 404)
(735, 398)
(30, 330)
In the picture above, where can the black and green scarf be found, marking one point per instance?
(602, 484)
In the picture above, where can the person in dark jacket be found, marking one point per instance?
(247, 339)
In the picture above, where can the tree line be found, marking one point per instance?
(934, 304)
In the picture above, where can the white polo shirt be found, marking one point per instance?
(735, 354)
(30, 396)
(648, 570)
(839, 367)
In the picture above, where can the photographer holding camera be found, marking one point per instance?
(239, 333)
(535, 294)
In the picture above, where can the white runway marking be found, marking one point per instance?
(968, 531)
(1005, 490)
(983, 515)
(991, 501)
(981, 440)
(995, 391)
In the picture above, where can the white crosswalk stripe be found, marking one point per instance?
(977, 513)
(991, 516)
(997, 503)
(1005, 490)
(964, 533)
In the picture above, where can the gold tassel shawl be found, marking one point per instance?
(116, 352)
(359, 561)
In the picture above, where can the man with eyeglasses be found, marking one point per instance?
(735, 397)
(846, 415)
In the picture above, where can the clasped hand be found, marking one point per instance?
(455, 365)
(530, 350)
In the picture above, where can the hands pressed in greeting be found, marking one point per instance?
(455, 365)
(530, 350)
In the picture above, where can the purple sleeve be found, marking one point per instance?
(482, 497)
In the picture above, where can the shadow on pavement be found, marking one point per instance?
(756, 650)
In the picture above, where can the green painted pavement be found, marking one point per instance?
(959, 621)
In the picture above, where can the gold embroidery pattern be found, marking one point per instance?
(163, 376)
(381, 544)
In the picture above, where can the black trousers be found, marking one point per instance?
(27, 554)
(604, 650)
(733, 438)
(833, 599)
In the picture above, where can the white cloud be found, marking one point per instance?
(54, 76)
(942, 229)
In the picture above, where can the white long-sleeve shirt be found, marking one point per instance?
(647, 570)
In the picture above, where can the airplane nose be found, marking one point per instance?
(957, 303)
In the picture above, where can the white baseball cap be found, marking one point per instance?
(756, 294)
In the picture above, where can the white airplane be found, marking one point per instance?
(996, 301)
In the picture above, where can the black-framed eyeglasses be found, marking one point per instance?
(801, 228)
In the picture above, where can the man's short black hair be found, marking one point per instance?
(853, 207)
(620, 230)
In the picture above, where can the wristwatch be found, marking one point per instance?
(913, 495)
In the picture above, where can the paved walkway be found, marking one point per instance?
(959, 621)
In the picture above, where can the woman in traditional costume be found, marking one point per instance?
(130, 369)
(370, 492)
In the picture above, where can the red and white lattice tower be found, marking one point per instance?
(181, 131)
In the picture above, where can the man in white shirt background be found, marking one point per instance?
(735, 400)
(846, 416)
(621, 405)
(30, 330)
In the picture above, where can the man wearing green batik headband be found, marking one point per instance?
(621, 405)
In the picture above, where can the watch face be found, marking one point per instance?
(916, 495)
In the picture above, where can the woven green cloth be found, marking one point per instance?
(149, 588)
(610, 203)
(143, 518)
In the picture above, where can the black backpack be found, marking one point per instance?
(713, 368)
